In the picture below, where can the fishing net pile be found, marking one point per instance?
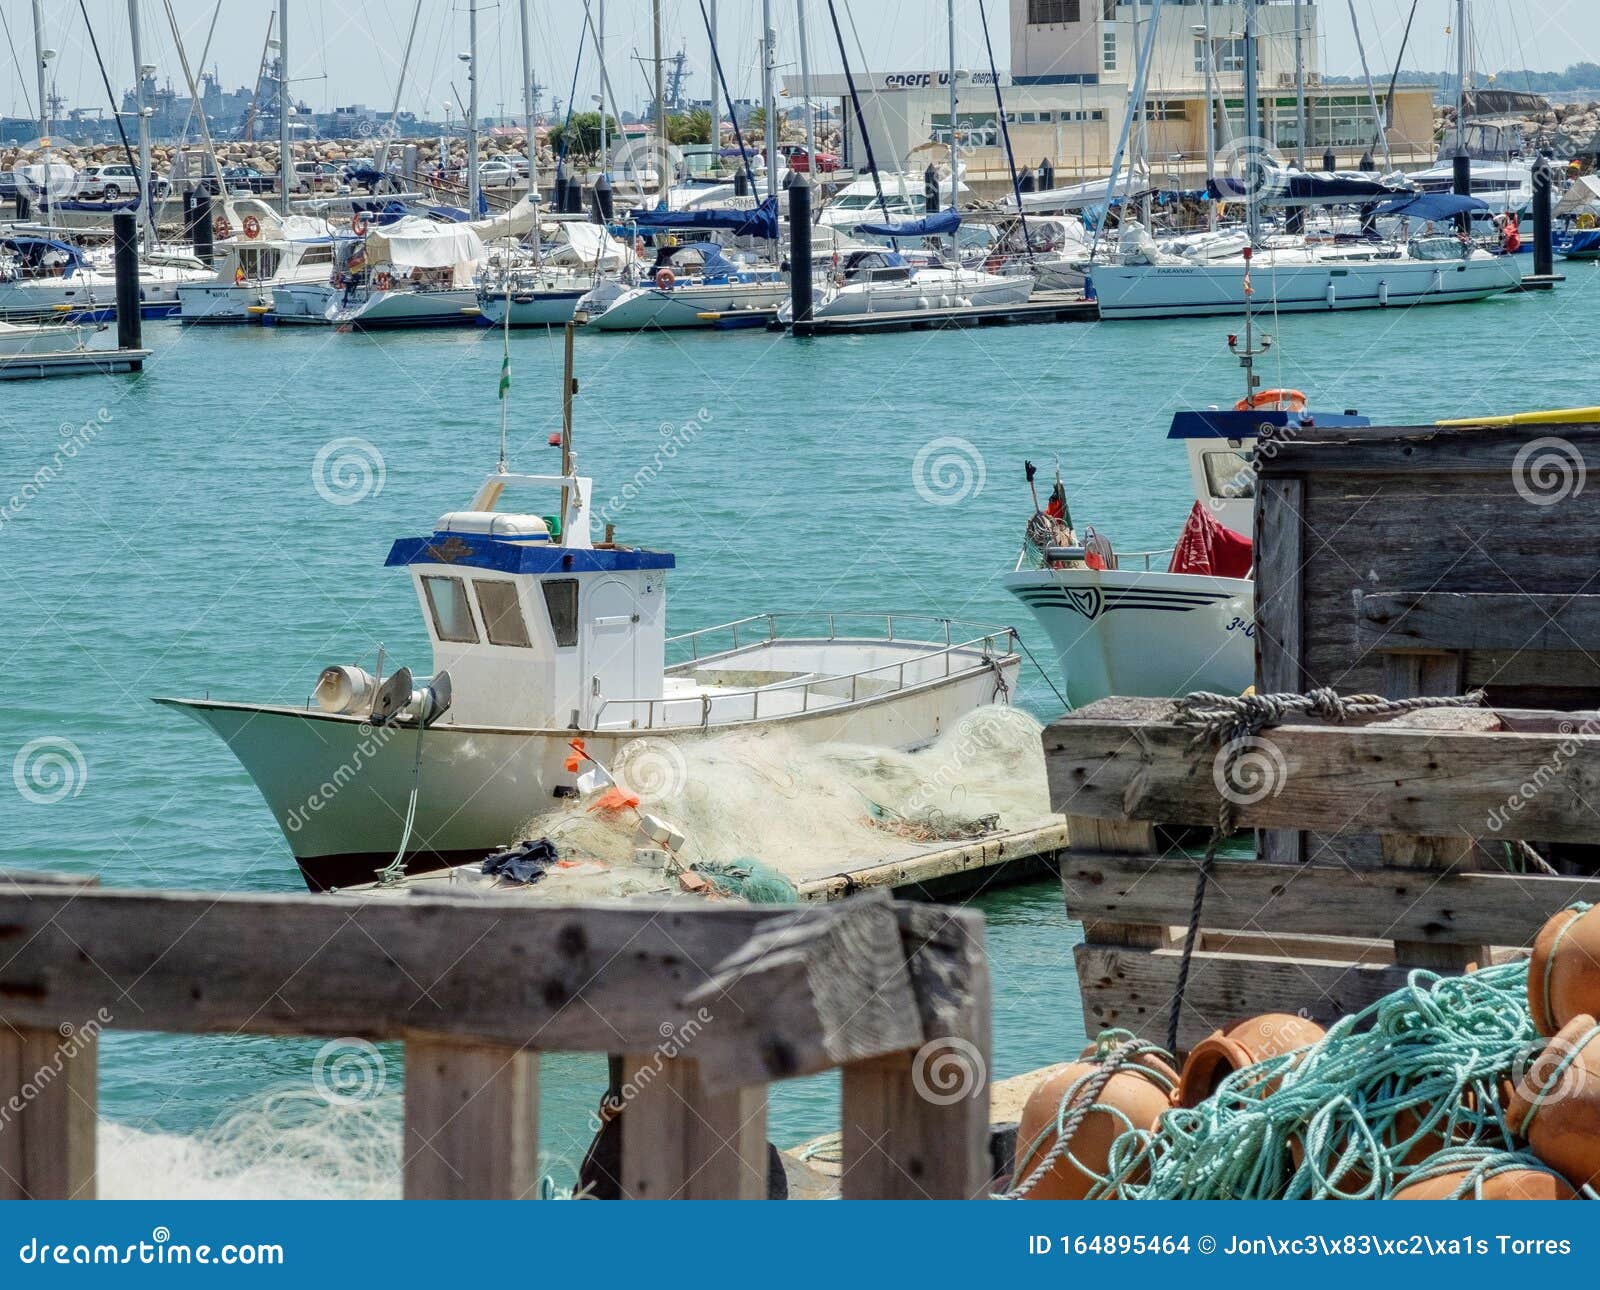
(1415, 1089)
(755, 806)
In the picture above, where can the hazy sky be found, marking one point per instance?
(349, 51)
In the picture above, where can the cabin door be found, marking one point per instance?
(611, 636)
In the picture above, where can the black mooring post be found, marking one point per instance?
(604, 202)
(201, 230)
(125, 250)
(800, 257)
(1543, 181)
(1330, 162)
(1461, 186)
(930, 189)
(558, 192)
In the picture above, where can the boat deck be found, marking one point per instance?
(1042, 307)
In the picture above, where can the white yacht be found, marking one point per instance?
(266, 250)
(543, 639)
(43, 278)
(686, 283)
(903, 198)
(413, 272)
(877, 282)
(544, 290)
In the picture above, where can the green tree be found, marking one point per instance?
(689, 127)
(756, 124)
(580, 134)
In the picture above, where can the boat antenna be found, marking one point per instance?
(1251, 351)
(505, 373)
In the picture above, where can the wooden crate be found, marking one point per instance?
(705, 1005)
(1421, 560)
(1325, 937)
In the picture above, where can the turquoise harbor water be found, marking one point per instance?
(166, 535)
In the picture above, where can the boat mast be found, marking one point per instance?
(768, 60)
(1252, 123)
(1461, 77)
(1299, 89)
(805, 86)
(473, 190)
(528, 113)
(1208, 67)
(663, 186)
(716, 111)
(600, 55)
(1145, 55)
(382, 161)
(955, 147)
(1372, 93)
(145, 216)
(285, 158)
(41, 58)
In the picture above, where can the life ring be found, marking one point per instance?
(665, 277)
(1283, 400)
(384, 282)
(221, 228)
(1586, 220)
(252, 226)
(359, 223)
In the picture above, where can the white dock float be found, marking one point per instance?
(79, 362)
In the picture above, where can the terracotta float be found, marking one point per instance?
(1556, 1107)
(1513, 1184)
(1564, 972)
(1245, 1043)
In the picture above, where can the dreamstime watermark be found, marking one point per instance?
(948, 1070)
(1249, 770)
(652, 769)
(349, 1070)
(1545, 775)
(372, 740)
(674, 439)
(1551, 1069)
(49, 769)
(977, 736)
(1548, 470)
(74, 439)
(74, 1040)
(948, 471)
(348, 470)
(1251, 169)
(675, 1038)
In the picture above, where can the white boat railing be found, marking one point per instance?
(1027, 559)
(762, 628)
(992, 644)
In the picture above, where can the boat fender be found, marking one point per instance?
(665, 277)
(1511, 238)
(252, 226)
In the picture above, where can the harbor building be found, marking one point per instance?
(1073, 63)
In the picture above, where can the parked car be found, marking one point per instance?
(316, 177)
(800, 161)
(115, 182)
(249, 179)
(502, 172)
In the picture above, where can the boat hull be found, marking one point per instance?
(1182, 290)
(531, 309)
(339, 787)
(984, 289)
(682, 306)
(1147, 634)
(386, 310)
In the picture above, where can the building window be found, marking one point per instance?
(1166, 110)
(1108, 10)
(1109, 56)
(1041, 12)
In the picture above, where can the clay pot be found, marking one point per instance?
(1513, 1184)
(1139, 1094)
(1556, 1107)
(1243, 1044)
(1564, 972)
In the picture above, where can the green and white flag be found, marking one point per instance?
(505, 375)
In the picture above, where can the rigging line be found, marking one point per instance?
(1005, 132)
(738, 137)
(22, 80)
(111, 97)
(1399, 58)
(583, 37)
(861, 120)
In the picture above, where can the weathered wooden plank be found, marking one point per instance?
(583, 979)
(682, 1141)
(1322, 900)
(830, 986)
(1373, 778)
(1434, 450)
(48, 1101)
(1280, 543)
(1473, 620)
(1133, 989)
(471, 1122)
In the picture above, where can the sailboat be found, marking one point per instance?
(549, 647)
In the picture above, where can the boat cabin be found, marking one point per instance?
(875, 266)
(538, 627)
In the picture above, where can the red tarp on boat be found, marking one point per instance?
(1209, 547)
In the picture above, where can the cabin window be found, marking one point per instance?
(1230, 475)
(561, 599)
(318, 255)
(502, 616)
(452, 616)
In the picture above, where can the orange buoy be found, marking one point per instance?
(1247, 1043)
(1564, 971)
(665, 277)
(1556, 1106)
(1135, 1096)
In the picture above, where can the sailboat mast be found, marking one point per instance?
(1252, 122)
(768, 61)
(528, 112)
(1299, 89)
(600, 56)
(41, 59)
(144, 214)
(474, 191)
(1372, 93)
(1209, 67)
(955, 146)
(805, 84)
(1461, 77)
(716, 110)
(285, 157)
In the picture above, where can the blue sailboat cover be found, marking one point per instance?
(762, 221)
(947, 221)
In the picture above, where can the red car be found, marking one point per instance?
(800, 161)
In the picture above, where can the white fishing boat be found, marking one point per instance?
(1165, 622)
(542, 638)
(43, 338)
(263, 251)
(685, 283)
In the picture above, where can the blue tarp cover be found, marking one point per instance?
(1293, 187)
(947, 221)
(760, 222)
(1432, 206)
